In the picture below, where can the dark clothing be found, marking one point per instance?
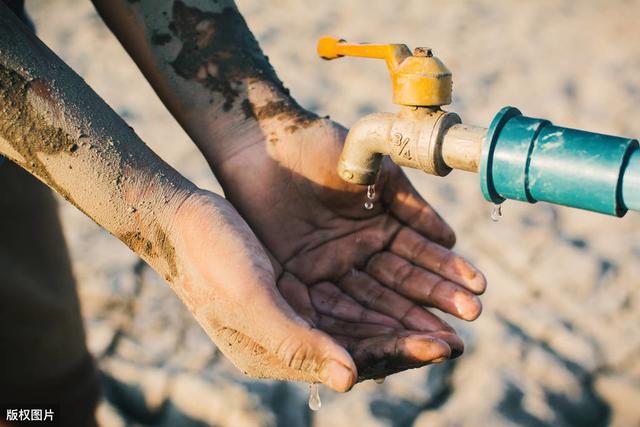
(17, 7)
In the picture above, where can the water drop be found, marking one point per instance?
(379, 380)
(371, 195)
(314, 397)
(496, 213)
(371, 191)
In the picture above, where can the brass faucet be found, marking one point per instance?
(517, 157)
(421, 135)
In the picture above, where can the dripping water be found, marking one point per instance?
(379, 380)
(496, 213)
(314, 397)
(371, 195)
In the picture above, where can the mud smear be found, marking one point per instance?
(162, 248)
(32, 135)
(166, 251)
(219, 52)
(26, 131)
(137, 243)
(248, 110)
(285, 109)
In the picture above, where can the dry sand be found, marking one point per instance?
(559, 340)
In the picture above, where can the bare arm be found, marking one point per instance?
(207, 67)
(276, 162)
(56, 127)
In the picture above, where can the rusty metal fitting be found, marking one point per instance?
(412, 138)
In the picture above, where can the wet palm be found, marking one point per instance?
(363, 276)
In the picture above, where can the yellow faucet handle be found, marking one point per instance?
(420, 79)
(393, 54)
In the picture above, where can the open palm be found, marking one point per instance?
(362, 276)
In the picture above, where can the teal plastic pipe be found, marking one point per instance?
(529, 159)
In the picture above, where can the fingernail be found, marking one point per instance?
(469, 307)
(439, 360)
(480, 283)
(450, 237)
(337, 376)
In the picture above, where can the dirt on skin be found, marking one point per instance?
(161, 248)
(26, 131)
(56, 128)
(221, 55)
(29, 134)
(217, 52)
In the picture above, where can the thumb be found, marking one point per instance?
(230, 286)
(311, 354)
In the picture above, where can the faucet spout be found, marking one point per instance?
(364, 147)
(413, 138)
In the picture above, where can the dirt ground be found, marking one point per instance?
(559, 340)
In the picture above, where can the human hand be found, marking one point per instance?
(277, 165)
(228, 282)
(362, 276)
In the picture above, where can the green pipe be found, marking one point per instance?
(532, 160)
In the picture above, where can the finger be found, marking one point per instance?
(438, 259)
(371, 294)
(381, 356)
(406, 204)
(296, 294)
(453, 340)
(328, 299)
(263, 324)
(334, 326)
(424, 287)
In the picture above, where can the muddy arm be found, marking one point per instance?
(203, 61)
(53, 125)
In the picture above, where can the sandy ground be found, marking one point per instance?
(559, 340)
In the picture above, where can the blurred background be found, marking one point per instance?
(558, 343)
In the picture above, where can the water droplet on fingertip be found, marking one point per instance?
(314, 397)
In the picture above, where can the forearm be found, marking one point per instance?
(208, 69)
(53, 125)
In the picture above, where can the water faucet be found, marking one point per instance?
(517, 157)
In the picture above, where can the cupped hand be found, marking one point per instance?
(228, 282)
(365, 277)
